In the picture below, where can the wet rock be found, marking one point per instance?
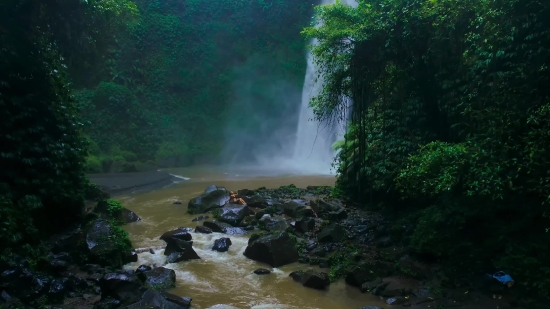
(77, 282)
(203, 230)
(200, 218)
(384, 242)
(143, 268)
(248, 220)
(213, 197)
(337, 215)
(222, 244)
(107, 303)
(233, 214)
(159, 278)
(371, 285)
(57, 290)
(305, 224)
(127, 216)
(244, 193)
(123, 216)
(332, 233)
(318, 252)
(221, 227)
(262, 271)
(130, 257)
(151, 251)
(67, 241)
(182, 234)
(311, 279)
(274, 249)
(364, 272)
(177, 203)
(58, 266)
(102, 246)
(396, 301)
(274, 224)
(293, 208)
(120, 286)
(256, 201)
(180, 250)
(322, 206)
(394, 287)
(157, 299)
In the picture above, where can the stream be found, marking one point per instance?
(225, 280)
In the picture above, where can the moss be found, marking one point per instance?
(340, 261)
(216, 213)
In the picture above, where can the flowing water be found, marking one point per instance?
(312, 151)
(226, 280)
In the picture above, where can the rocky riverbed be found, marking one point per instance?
(332, 240)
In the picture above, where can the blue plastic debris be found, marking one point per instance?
(503, 277)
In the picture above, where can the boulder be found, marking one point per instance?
(179, 250)
(274, 224)
(364, 272)
(276, 249)
(244, 193)
(130, 256)
(123, 216)
(67, 241)
(121, 286)
(213, 197)
(323, 206)
(221, 227)
(305, 224)
(159, 278)
(20, 282)
(311, 279)
(203, 230)
(331, 233)
(338, 214)
(127, 216)
(142, 268)
(158, 299)
(222, 244)
(180, 233)
(293, 208)
(103, 247)
(233, 214)
(257, 201)
(262, 271)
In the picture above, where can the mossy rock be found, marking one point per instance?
(105, 244)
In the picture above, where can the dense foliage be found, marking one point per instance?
(42, 151)
(177, 74)
(449, 124)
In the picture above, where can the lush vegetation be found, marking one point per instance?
(176, 74)
(114, 85)
(42, 152)
(450, 124)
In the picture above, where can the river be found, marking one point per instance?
(226, 280)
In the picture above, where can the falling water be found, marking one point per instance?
(313, 149)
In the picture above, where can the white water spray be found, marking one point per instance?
(313, 151)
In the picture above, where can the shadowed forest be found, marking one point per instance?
(448, 102)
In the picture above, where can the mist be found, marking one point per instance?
(262, 119)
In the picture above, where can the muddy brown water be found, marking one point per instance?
(226, 280)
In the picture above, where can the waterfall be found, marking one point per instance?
(313, 149)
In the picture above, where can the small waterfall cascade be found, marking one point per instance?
(313, 149)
